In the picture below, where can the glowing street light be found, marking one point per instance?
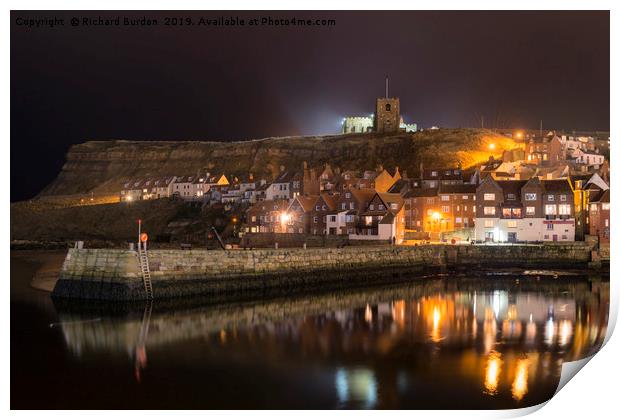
(436, 216)
(519, 134)
(284, 218)
(492, 146)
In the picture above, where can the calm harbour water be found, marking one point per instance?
(452, 342)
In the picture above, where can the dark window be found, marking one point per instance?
(388, 107)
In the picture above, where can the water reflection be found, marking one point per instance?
(492, 371)
(357, 387)
(473, 342)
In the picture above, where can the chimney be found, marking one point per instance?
(305, 165)
(421, 170)
(337, 170)
(379, 168)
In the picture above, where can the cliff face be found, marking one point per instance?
(102, 166)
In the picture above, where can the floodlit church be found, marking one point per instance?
(386, 119)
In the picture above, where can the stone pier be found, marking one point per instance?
(107, 274)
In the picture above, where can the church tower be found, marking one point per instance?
(387, 114)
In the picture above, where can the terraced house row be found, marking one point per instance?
(446, 204)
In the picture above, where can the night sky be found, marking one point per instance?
(71, 84)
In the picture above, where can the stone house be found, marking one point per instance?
(432, 178)
(352, 202)
(588, 159)
(383, 219)
(457, 207)
(417, 201)
(280, 188)
(183, 187)
(546, 151)
(133, 190)
(518, 211)
(265, 216)
(584, 187)
(599, 215)
(321, 211)
(297, 218)
(161, 187)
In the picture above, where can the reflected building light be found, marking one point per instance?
(491, 374)
(519, 385)
(512, 313)
(511, 329)
(223, 336)
(530, 331)
(358, 386)
(496, 303)
(549, 331)
(566, 332)
(398, 312)
(436, 333)
(342, 387)
(368, 314)
(475, 304)
(489, 330)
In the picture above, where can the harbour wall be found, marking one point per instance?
(109, 274)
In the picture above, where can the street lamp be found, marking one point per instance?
(234, 220)
(492, 146)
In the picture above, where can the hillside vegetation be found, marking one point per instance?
(102, 166)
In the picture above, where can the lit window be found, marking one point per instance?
(550, 209)
(445, 198)
(530, 211)
(489, 197)
(429, 212)
(604, 206)
(445, 209)
(563, 197)
(488, 223)
(465, 197)
(550, 197)
(530, 196)
(489, 211)
(512, 223)
(564, 209)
